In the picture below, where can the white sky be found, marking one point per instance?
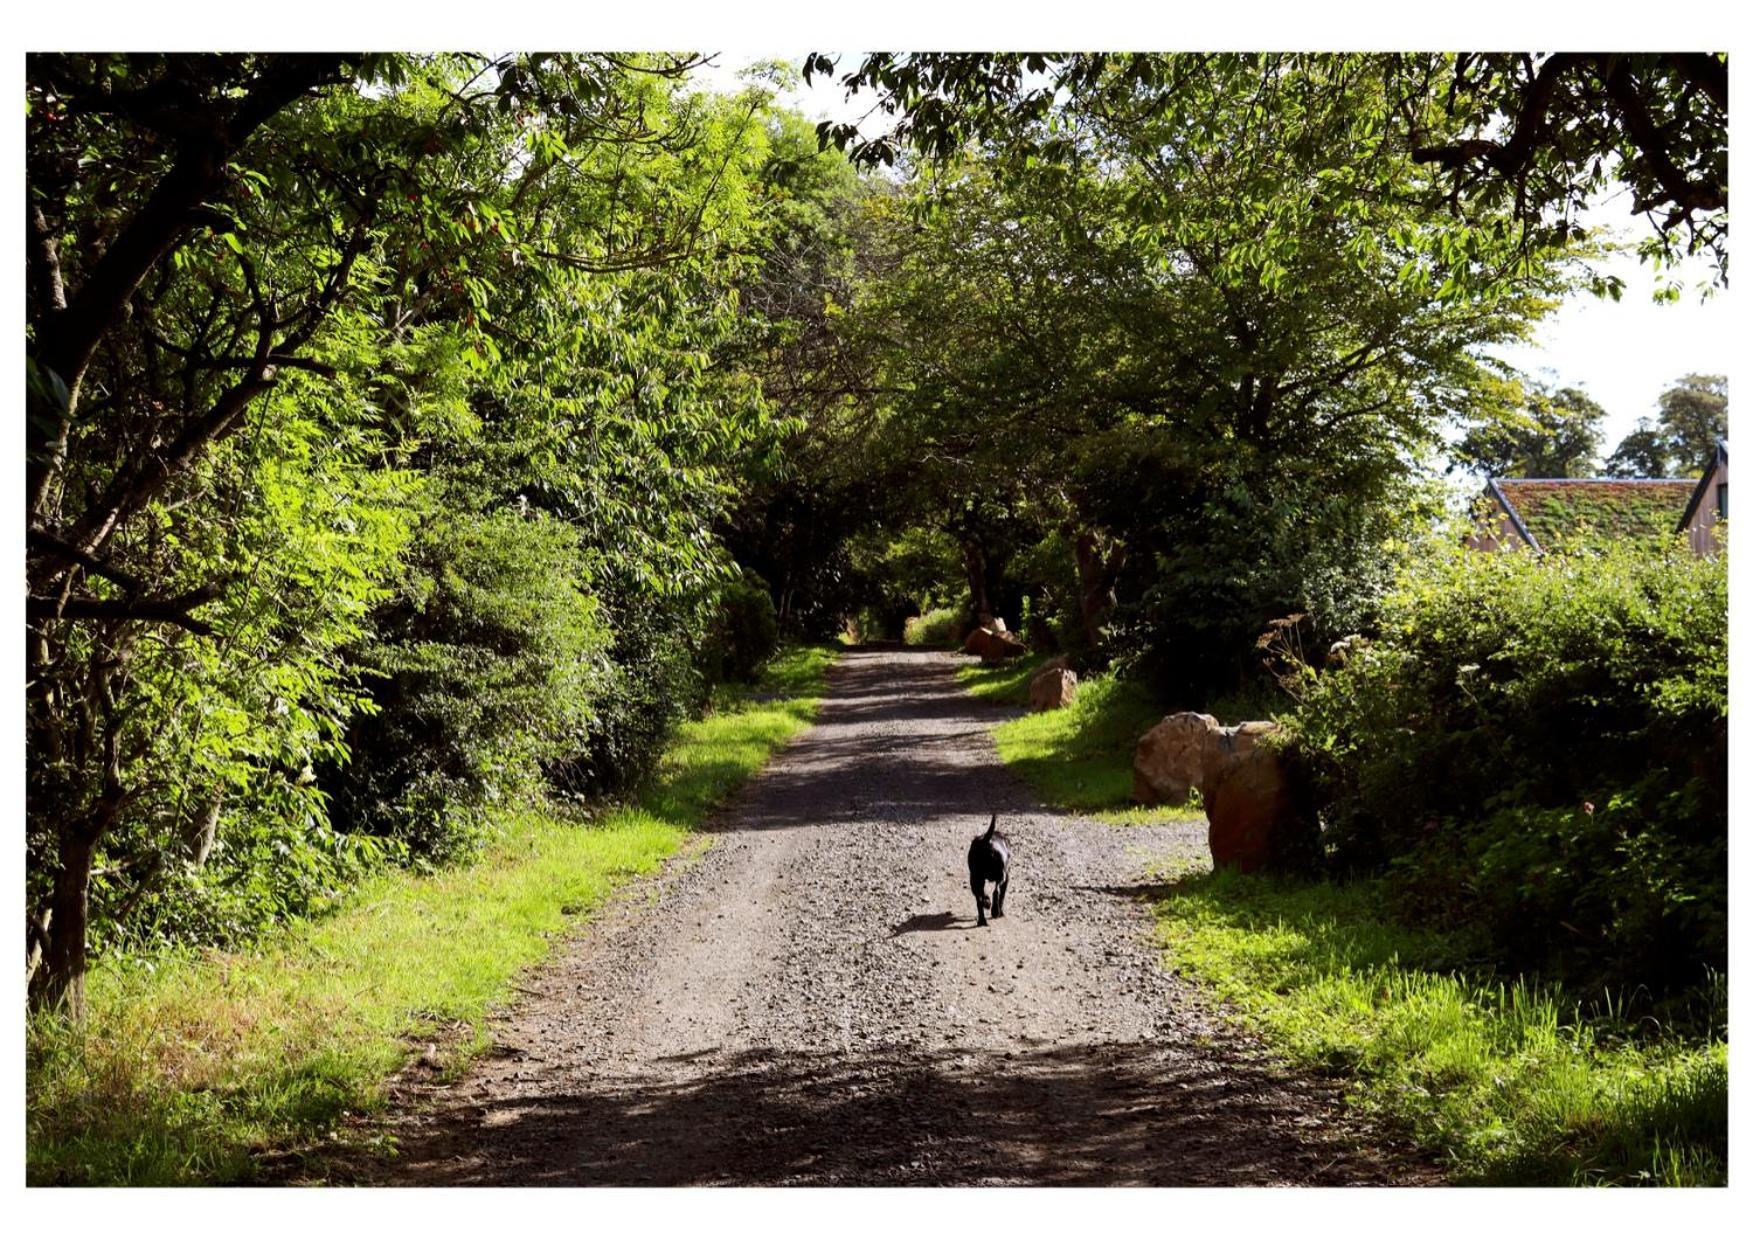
(1622, 353)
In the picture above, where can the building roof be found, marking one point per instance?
(1719, 457)
(1549, 510)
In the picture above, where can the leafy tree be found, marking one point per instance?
(1130, 351)
(803, 501)
(272, 299)
(1519, 137)
(1643, 453)
(1693, 415)
(1556, 130)
(1548, 433)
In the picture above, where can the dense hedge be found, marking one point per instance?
(745, 631)
(484, 665)
(1536, 746)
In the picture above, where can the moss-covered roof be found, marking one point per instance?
(1556, 510)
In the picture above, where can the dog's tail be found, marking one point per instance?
(991, 827)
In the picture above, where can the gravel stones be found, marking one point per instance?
(807, 1001)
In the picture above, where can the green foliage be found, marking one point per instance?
(1694, 415)
(192, 1063)
(371, 289)
(1265, 540)
(746, 632)
(1681, 441)
(482, 668)
(1115, 376)
(1519, 143)
(1508, 1083)
(941, 626)
(801, 505)
(226, 832)
(910, 572)
(1654, 123)
(1536, 746)
(1643, 453)
(650, 683)
(1547, 433)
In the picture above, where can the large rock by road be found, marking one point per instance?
(1052, 688)
(1250, 797)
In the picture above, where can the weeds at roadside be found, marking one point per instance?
(935, 628)
(1508, 1081)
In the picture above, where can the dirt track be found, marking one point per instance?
(808, 1000)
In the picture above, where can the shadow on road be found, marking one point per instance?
(930, 921)
(1106, 1113)
(897, 779)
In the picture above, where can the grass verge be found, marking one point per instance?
(1505, 1083)
(192, 1063)
(1078, 758)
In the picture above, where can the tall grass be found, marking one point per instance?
(1509, 1082)
(1080, 757)
(190, 1064)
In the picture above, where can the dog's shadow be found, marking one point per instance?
(930, 921)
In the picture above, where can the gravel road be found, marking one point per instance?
(806, 1000)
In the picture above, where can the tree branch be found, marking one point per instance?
(43, 540)
(158, 610)
(1685, 194)
(70, 337)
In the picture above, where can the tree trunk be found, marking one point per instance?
(1097, 573)
(974, 560)
(58, 984)
(55, 943)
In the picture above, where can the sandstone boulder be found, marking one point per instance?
(1250, 800)
(1052, 688)
(992, 646)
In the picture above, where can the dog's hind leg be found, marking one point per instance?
(979, 887)
(998, 892)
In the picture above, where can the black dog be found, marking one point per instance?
(989, 862)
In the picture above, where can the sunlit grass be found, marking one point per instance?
(191, 1063)
(1507, 1082)
(1078, 758)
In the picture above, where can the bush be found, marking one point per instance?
(650, 681)
(487, 663)
(1537, 746)
(745, 633)
(223, 831)
(1218, 547)
(942, 626)
(1049, 618)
